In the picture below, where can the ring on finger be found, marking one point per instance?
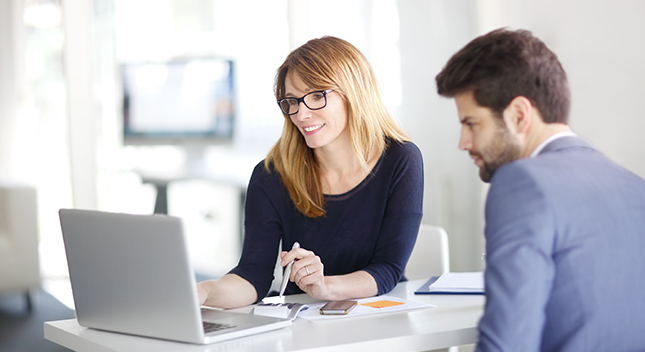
(307, 269)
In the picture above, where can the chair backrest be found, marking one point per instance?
(19, 262)
(430, 256)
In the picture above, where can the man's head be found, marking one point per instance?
(504, 64)
(508, 86)
(487, 139)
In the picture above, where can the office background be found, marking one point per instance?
(60, 124)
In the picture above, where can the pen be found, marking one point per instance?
(287, 271)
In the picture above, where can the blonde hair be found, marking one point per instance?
(330, 63)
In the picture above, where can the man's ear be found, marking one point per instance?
(519, 114)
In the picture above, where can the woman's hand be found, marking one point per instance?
(307, 272)
(229, 291)
(202, 292)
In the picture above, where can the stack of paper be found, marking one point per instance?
(469, 282)
(455, 283)
(366, 306)
(279, 310)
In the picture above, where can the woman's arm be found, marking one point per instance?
(229, 291)
(402, 217)
(253, 274)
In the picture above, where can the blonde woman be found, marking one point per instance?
(343, 180)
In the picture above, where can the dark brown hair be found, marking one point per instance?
(504, 64)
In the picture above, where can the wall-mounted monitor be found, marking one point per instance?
(188, 102)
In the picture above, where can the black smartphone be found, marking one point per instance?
(338, 307)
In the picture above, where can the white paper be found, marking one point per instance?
(459, 282)
(279, 310)
(313, 314)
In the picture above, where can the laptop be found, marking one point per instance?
(131, 274)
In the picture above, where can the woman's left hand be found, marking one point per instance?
(307, 272)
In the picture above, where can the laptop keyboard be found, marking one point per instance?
(211, 327)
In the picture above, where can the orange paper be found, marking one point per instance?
(382, 304)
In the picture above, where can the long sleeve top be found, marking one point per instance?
(372, 227)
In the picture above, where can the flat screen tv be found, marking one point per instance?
(188, 102)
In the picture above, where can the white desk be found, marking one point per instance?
(452, 322)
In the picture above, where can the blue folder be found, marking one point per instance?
(425, 290)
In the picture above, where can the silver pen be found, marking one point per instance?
(287, 271)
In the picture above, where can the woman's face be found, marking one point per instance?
(323, 128)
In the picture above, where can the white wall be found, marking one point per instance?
(600, 45)
(431, 31)
(82, 103)
(12, 87)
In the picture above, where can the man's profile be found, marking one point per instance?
(565, 226)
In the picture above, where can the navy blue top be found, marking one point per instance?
(373, 227)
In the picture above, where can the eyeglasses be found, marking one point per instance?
(313, 101)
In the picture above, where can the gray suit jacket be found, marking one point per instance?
(565, 270)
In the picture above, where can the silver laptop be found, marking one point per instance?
(131, 274)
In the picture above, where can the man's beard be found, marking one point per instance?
(503, 149)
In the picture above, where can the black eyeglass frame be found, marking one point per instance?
(302, 100)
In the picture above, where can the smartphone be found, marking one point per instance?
(338, 307)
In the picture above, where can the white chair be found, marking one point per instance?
(430, 256)
(19, 264)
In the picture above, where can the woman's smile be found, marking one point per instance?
(312, 128)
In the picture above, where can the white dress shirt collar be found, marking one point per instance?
(539, 148)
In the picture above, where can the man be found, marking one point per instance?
(565, 227)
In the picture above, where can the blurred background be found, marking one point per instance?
(146, 106)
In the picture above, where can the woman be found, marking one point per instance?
(343, 180)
